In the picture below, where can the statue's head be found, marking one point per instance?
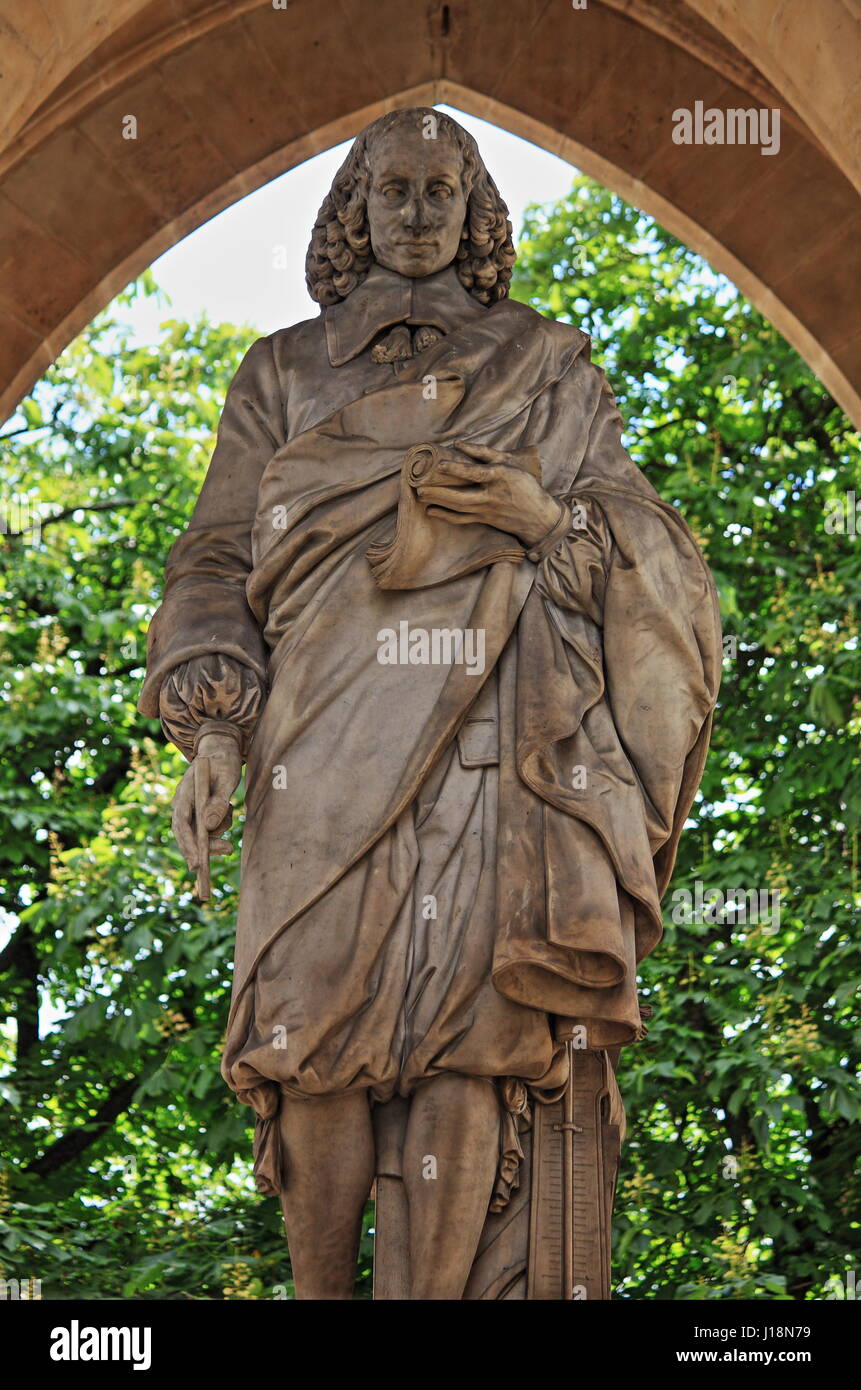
(413, 195)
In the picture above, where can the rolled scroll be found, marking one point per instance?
(427, 550)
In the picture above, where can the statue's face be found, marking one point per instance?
(416, 205)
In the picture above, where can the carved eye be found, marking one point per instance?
(441, 190)
(392, 193)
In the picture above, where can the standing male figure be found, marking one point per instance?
(446, 864)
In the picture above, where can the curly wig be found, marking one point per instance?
(340, 253)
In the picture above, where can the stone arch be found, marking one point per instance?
(229, 93)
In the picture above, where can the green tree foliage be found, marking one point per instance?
(125, 1159)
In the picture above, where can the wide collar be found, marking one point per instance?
(384, 297)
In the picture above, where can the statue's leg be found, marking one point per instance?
(450, 1160)
(328, 1148)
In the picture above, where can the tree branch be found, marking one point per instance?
(72, 1145)
(111, 504)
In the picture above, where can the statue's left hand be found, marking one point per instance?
(497, 492)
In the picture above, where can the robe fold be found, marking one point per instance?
(439, 860)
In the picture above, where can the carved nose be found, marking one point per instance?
(416, 218)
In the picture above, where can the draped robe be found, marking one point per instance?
(438, 863)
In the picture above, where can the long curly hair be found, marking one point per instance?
(340, 255)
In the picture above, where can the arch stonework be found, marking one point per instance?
(229, 93)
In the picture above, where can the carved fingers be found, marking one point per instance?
(484, 453)
(458, 503)
(217, 813)
(493, 492)
(182, 819)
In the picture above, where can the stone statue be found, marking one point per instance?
(471, 659)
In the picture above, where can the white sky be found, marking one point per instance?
(227, 268)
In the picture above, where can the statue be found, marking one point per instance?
(471, 659)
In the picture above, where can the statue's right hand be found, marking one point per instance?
(225, 769)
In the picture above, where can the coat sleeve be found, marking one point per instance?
(210, 694)
(573, 575)
(205, 612)
(628, 585)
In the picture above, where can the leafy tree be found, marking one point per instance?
(126, 1159)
